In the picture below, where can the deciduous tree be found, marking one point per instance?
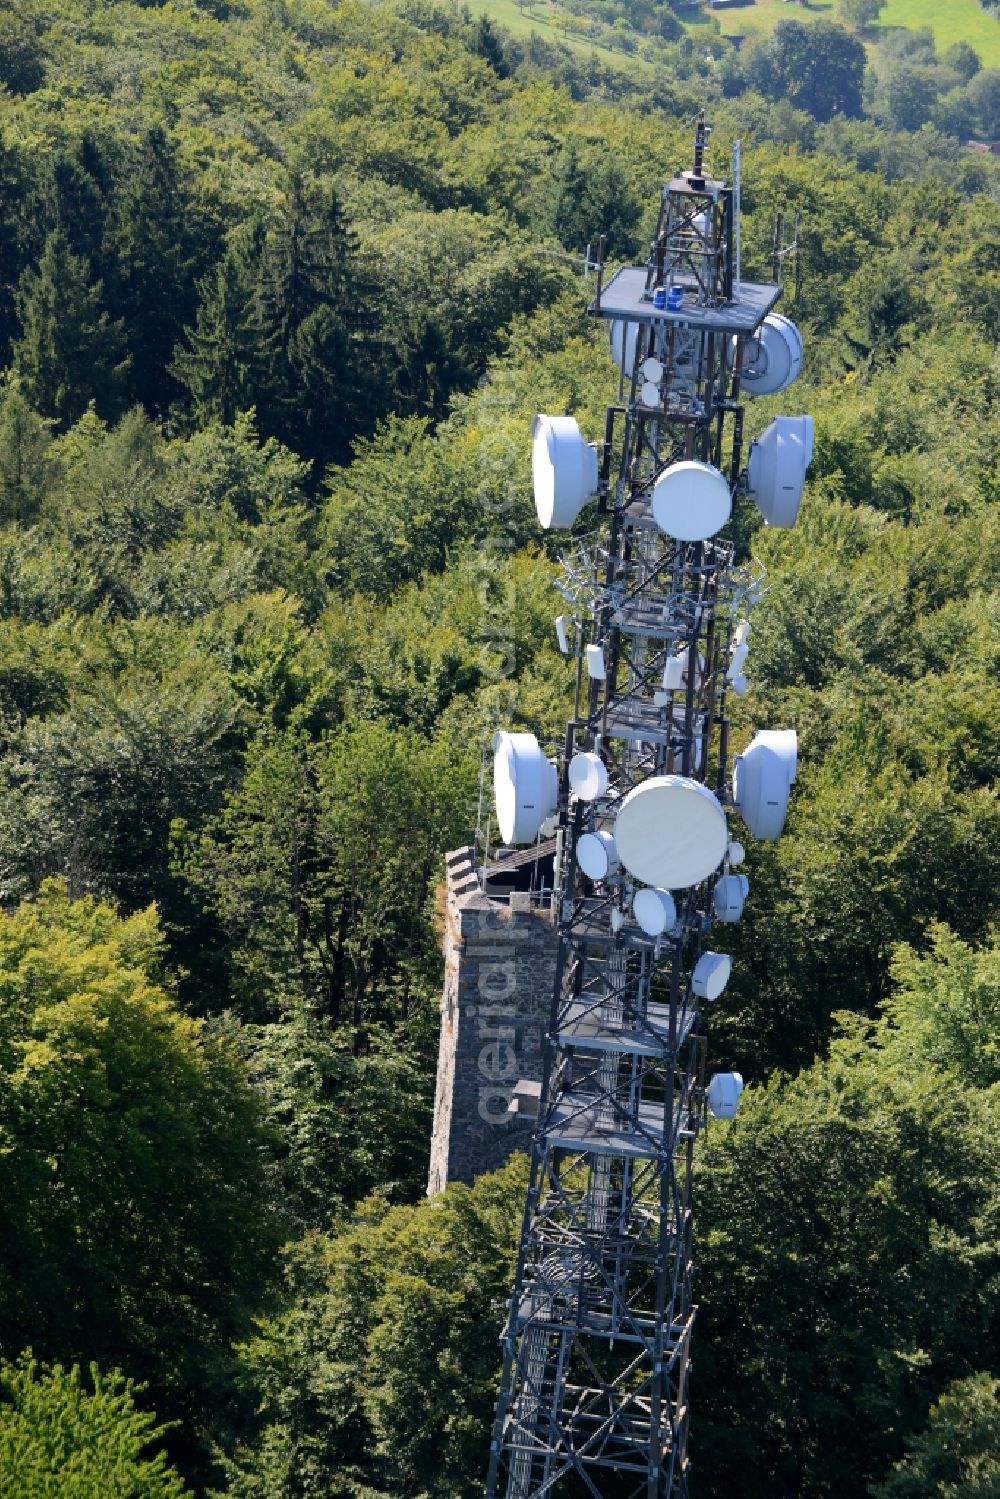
(64, 1437)
(958, 1452)
(134, 1223)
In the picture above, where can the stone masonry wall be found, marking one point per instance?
(500, 961)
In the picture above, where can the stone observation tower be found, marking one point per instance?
(579, 959)
(500, 960)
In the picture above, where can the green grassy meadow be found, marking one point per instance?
(546, 19)
(764, 15)
(950, 20)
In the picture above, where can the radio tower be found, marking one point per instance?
(597, 1346)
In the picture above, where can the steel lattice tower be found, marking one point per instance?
(597, 1346)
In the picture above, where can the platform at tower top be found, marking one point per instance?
(624, 296)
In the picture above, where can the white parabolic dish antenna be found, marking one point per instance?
(563, 470)
(654, 910)
(723, 1094)
(773, 357)
(671, 832)
(525, 786)
(776, 471)
(711, 974)
(729, 896)
(762, 776)
(691, 501)
(588, 776)
(596, 855)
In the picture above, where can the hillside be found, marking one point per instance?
(282, 288)
(905, 68)
(965, 21)
(960, 21)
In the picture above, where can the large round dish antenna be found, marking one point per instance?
(772, 359)
(563, 470)
(785, 744)
(671, 832)
(762, 776)
(691, 501)
(654, 910)
(525, 786)
(776, 472)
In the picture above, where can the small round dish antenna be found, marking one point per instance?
(723, 1094)
(776, 471)
(772, 358)
(654, 910)
(671, 832)
(650, 393)
(596, 855)
(588, 776)
(729, 896)
(525, 786)
(711, 974)
(652, 370)
(563, 470)
(691, 501)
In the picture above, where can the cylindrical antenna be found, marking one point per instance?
(737, 207)
(699, 144)
(600, 271)
(798, 262)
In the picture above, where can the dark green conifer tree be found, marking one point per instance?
(15, 196)
(312, 300)
(221, 363)
(489, 46)
(590, 196)
(24, 455)
(70, 352)
(75, 188)
(152, 283)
